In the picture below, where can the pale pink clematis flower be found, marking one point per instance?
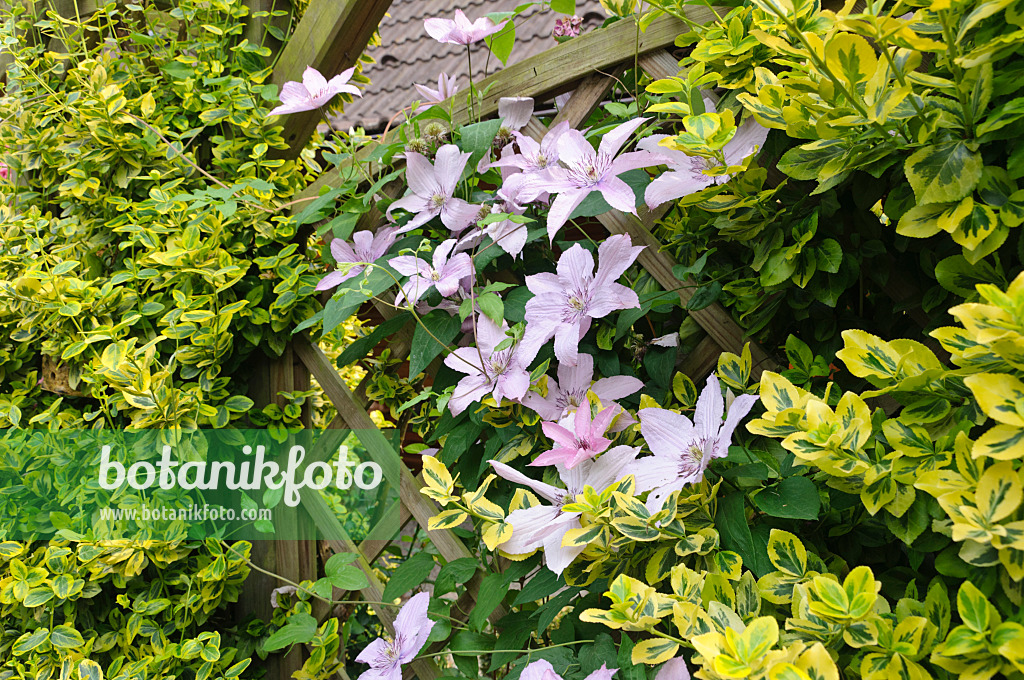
(433, 190)
(385, 656)
(446, 89)
(508, 235)
(534, 156)
(313, 92)
(442, 273)
(570, 391)
(584, 171)
(461, 31)
(584, 441)
(366, 247)
(682, 450)
(515, 112)
(500, 373)
(686, 175)
(674, 669)
(544, 526)
(565, 302)
(542, 670)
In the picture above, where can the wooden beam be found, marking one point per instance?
(330, 37)
(380, 449)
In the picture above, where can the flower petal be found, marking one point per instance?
(610, 466)
(710, 408)
(557, 556)
(667, 433)
(420, 175)
(413, 626)
(613, 140)
(449, 162)
(551, 493)
(516, 111)
(615, 255)
(615, 387)
(618, 194)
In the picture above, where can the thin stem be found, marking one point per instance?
(472, 89)
(498, 651)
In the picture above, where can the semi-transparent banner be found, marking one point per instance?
(164, 485)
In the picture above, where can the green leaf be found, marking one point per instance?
(502, 42)
(344, 575)
(433, 334)
(452, 574)
(943, 173)
(492, 591)
(30, 641)
(563, 6)
(477, 140)
(299, 629)
(540, 586)
(409, 575)
(705, 296)
(364, 345)
(792, 498)
(731, 522)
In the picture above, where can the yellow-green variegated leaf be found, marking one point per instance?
(787, 553)
(867, 355)
(787, 671)
(636, 529)
(578, 537)
(1000, 396)
(817, 662)
(691, 620)
(447, 520)
(718, 589)
(850, 57)
(999, 492)
(496, 534)
(922, 221)
(654, 651)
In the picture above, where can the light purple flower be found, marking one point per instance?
(385, 656)
(674, 669)
(544, 526)
(685, 174)
(508, 235)
(582, 442)
(366, 247)
(584, 171)
(433, 190)
(500, 373)
(515, 112)
(682, 450)
(568, 27)
(461, 31)
(535, 156)
(564, 303)
(570, 391)
(446, 89)
(442, 273)
(313, 92)
(542, 670)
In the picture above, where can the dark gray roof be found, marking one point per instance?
(407, 55)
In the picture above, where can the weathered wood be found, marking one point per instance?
(256, 26)
(330, 37)
(659, 64)
(699, 363)
(381, 451)
(324, 518)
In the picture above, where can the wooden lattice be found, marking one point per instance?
(588, 66)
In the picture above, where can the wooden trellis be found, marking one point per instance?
(588, 65)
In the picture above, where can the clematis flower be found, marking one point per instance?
(686, 175)
(584, 171)
(433, 190)
(515, 113)
(564, 303)
(544, 526)
(534, 156)
(500, 373)
(570, 391)
(682, 450)
(508, 235)
(386, 657)
(446, 89)
(461, 31)
(366, 247)
(313, 92)
(442, 273)
(542, 670)
(674, 669)
(584, 441)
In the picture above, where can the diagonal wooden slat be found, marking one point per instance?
(330, 37)
(378, 447)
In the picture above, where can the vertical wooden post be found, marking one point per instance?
(295, 558)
